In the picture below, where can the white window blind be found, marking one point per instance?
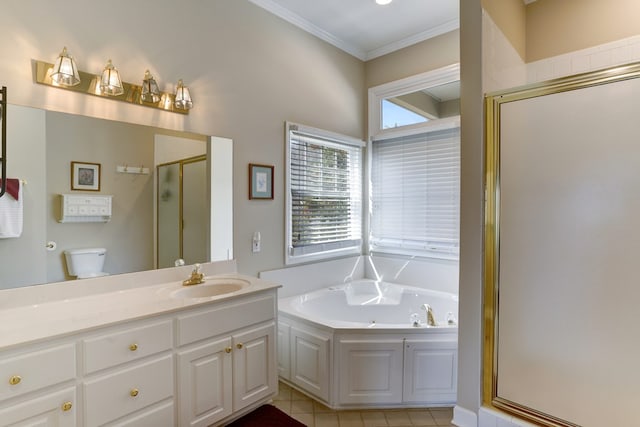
(415, 194)
(325, 194)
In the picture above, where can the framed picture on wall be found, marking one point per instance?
(260, 182)
(85, 176)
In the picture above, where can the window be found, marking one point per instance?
(415, 192)
(394, 115)
(324, 194)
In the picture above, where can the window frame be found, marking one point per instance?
(332, 137)
(440, 76)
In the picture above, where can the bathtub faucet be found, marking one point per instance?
(431, 321)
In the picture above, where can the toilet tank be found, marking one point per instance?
(85, 263)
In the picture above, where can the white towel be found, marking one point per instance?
(11, 215)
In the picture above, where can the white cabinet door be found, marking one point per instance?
(53, 410)
(370, 371)
(310, 362)
(254, 365)
(284, 354)
(205, 383)
(430, 371)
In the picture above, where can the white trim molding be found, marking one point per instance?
(464, 418)
(300, 22)
(414, 39)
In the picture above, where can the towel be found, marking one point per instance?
(11, 210)
(13, 187)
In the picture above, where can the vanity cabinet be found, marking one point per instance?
(195, 366)
(40, 383)
(254, 360)
(220, 375)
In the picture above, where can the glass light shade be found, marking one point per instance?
(65, 71)
(110, 82)
(150, 90)
(183, 97)
(383, 2)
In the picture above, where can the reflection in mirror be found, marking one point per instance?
(182, 208)
(431, 103)
(43, 144)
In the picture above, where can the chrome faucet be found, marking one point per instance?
(196, 277)
(431, 321)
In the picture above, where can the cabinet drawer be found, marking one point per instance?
(216, 321)
(126, 345)
(158, 416)
(123, 392)
(38, 369)
(53, 409)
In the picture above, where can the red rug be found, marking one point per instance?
(266, 416)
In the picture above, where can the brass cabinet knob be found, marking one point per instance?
(66, 406)
(134, 392)
(133, 347)
(15, 379)
(239, 345)
(227, 350)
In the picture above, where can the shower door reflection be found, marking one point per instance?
(182, 211)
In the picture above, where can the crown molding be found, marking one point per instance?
(307, 26)
(416, 38)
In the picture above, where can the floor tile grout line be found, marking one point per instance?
(435, 421)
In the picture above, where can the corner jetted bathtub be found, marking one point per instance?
(367, 343)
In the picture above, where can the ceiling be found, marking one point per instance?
(365, 29)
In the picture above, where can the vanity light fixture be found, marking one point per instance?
(110, 82)
(65, 71)
(383, 2)
(183, 97)
(109, 85)
(150, 90)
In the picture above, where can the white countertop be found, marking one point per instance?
(53, 318)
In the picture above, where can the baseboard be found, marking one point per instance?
(464, 418)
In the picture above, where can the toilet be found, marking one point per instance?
(85, 263)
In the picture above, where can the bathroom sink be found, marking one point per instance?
(210, 288)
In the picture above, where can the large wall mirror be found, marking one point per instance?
(42, 145)
(562, 244)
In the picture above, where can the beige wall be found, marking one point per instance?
(555, 27)
(248, 70)
(471, 209)
(511, 17)
(425, 56)
(547, 28)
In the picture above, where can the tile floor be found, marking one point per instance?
(314, 414)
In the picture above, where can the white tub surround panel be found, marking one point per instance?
(308, 277)
(138, 355)
(433, 274)
(426, 273)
